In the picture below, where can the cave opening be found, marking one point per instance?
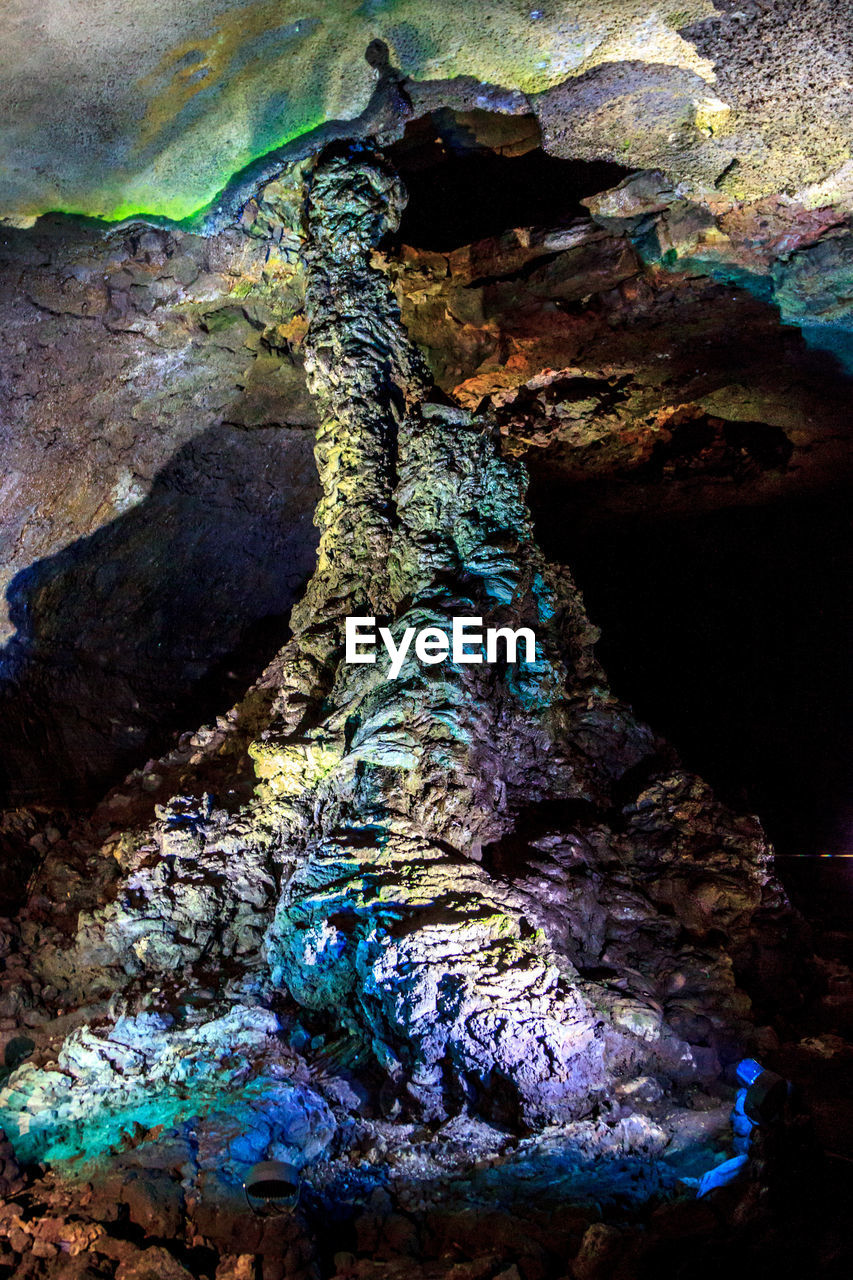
(730, 631)
(472, 175)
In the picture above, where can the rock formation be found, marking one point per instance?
(421, 774)
(469, 945)
(500, 890)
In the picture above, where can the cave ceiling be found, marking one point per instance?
(116, 107)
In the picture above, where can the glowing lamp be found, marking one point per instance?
(766, 1097)
(748, 1070)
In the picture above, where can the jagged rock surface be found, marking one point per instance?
(383, 916)
(498, 885)
(383, 796)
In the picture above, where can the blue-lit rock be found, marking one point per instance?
(227, 1074)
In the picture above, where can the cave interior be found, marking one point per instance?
(308, 972)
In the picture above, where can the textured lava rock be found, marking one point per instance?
(379, 798)
(493, 887)
(412, 777)
(145, 374)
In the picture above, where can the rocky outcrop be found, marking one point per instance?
(421, 773)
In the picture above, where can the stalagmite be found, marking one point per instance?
(491, 877)
(388, 919)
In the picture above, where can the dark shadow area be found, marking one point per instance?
(533, 1208)
(730, 632)
(474, 175)
(160, 619)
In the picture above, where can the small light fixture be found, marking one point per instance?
(766, 1097)
(766, 1092)
(273, 1186)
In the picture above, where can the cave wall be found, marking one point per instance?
(158, 489)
